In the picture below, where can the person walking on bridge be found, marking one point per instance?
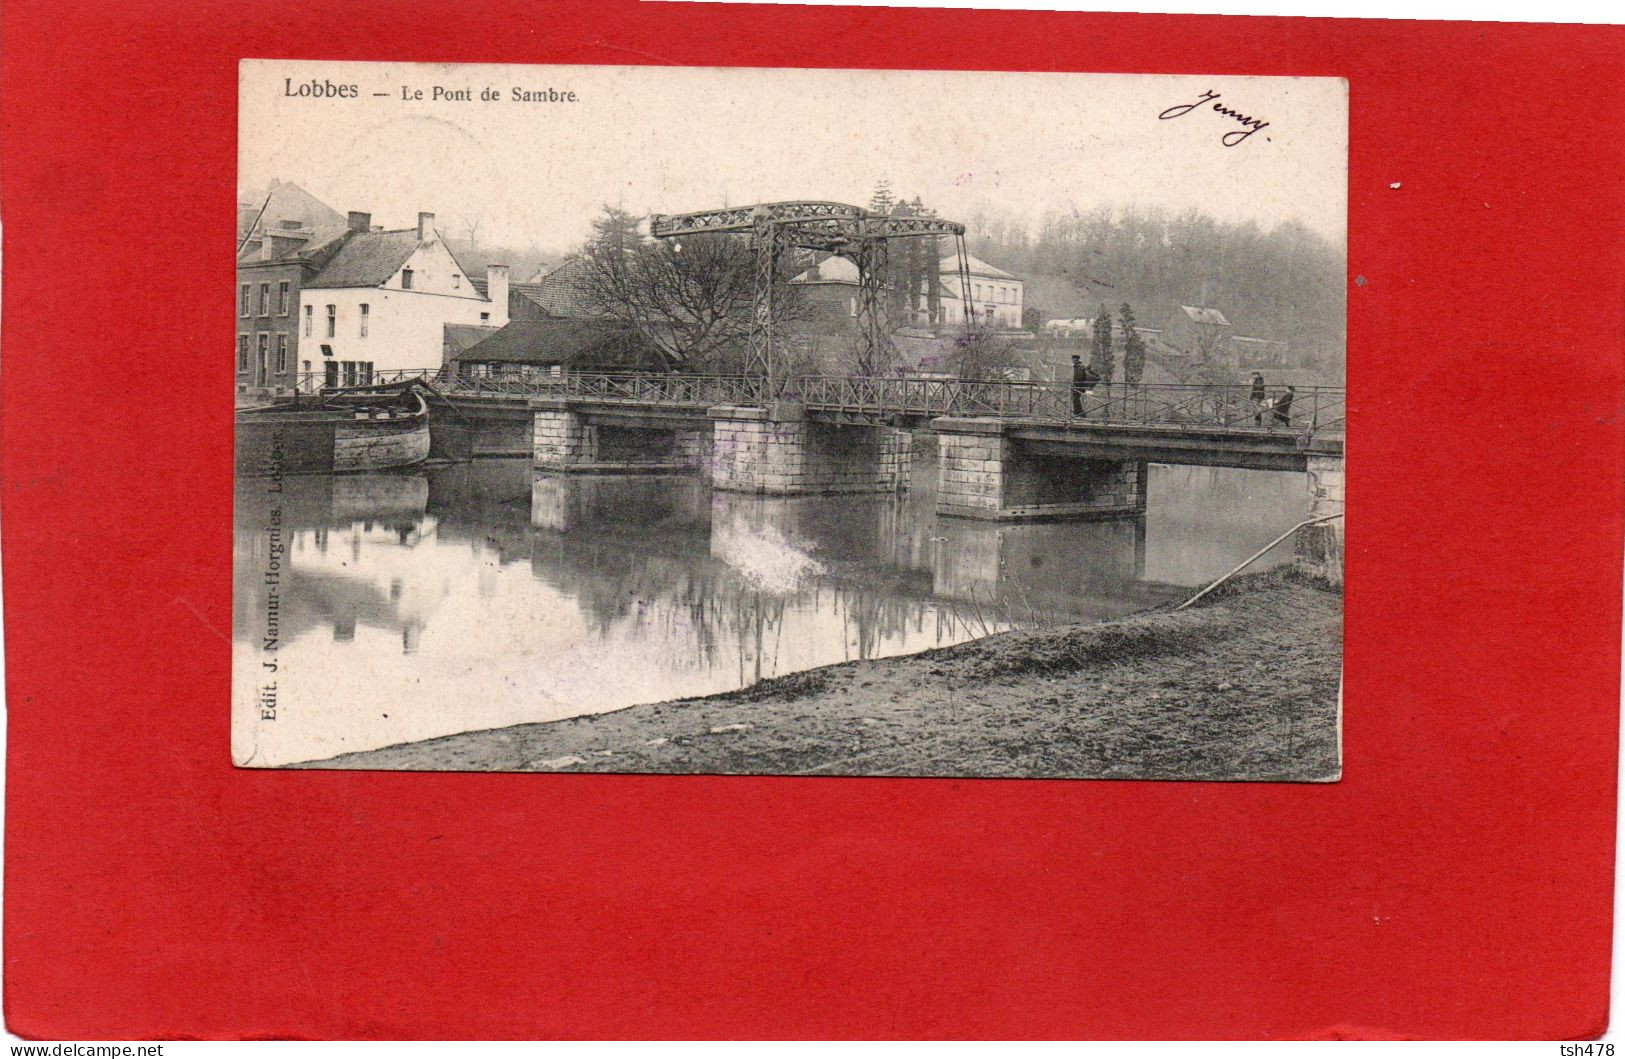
(1257, 397)
(1083, 380)
(1282, 413)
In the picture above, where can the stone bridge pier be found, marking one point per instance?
(570, 437)
(1319, 549)
(983, 473)
(777, 450)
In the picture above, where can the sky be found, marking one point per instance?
(672, 139)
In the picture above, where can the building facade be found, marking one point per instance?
(997, 298)
(273, 267)
(383, 301)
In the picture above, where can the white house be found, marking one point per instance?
(383, 301)
(995, 295)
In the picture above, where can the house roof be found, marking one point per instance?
(1204, 315)
(285, 201)
(832, 269)
(313, 242)
(551, 340)
(368, 259)
(562, 293)
(460, 338)
(977, 267)
(531, 292)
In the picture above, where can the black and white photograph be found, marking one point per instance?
(732, 421)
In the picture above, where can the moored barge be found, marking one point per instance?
(364, 428)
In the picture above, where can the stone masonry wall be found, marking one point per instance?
(970, 474)
(692, 448)
(982, 474)
(560, 439)
(786, 455)
(1319, 549)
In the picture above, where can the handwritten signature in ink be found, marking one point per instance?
(1234, 137)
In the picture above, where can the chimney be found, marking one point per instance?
(359, 222)
(496, 288)
(425, 227)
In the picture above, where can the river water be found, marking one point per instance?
(426, 603)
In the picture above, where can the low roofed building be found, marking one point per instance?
(550, 346)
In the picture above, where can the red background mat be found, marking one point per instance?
(1455, 883)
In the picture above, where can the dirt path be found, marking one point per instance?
(1243, 687)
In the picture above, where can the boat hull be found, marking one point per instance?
(330, 442)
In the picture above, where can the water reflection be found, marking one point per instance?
(414, 605)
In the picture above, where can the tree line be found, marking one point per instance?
(1284, 283)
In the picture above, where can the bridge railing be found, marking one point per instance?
(639, 387)
(658, 388)
(316, 381)
(1312, 409)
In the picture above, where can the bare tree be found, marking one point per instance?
(983, 355)
(1207, 338)
(690, 299)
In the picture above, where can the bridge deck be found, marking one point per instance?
(1213, 424)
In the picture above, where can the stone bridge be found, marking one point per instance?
(1005, 450)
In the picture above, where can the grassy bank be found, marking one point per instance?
(1243, 686)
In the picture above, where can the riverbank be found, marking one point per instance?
(1243, 686)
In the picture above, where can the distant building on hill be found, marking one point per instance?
(1199, 331)
(830, 291)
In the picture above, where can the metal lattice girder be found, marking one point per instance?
(904, 227)
(745, 218)
(871, 261)
(834, 227)
(815, 225)
(769, 242)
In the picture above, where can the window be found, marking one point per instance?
(248, 300)
(456, 281)
(282, 352)
(406, 279)
(485, 318)
(265, 348)
(305, 366)
(332, 320)
(364, 311)
(310, 315)
(348, 367)
(265, 299)
(242, 351)
(366, 373)
(282, 298)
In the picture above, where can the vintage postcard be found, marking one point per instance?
(789, 422)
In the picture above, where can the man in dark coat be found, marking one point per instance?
(1083, 380)
(1283, 408)
(1256, 396)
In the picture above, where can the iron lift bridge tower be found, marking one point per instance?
(776, 228)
